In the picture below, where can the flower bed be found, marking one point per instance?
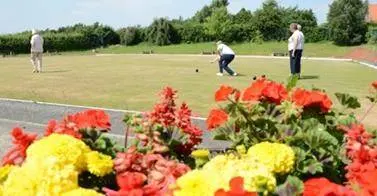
(285, 141)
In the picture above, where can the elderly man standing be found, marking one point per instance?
(36, 51)
(295, 48)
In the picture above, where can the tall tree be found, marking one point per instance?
(347, 21)
(269, 21)
(161, 32)
(217, 24)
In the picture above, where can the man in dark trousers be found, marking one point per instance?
(226, 56)
(295, 48)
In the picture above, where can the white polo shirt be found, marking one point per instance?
(36, 43)
(224, 49)
(300, 41)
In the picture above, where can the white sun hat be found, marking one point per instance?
(34, 31)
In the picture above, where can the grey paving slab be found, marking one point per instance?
(33, 116)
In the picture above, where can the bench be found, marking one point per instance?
(208, 53)
(280, 54)
(147, 52)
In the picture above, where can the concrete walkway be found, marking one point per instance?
(33, 116)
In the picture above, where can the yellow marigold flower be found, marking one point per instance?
(81, 192)
(99, 164)
(202, 153)
(67, 149)
(4, 171)
(41, 177)
(279, 158)
(194, 183)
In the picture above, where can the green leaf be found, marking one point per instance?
(313, 167)
(371, 99)
(291, 187)
(219, 136)
(348, 101)
(292, 82)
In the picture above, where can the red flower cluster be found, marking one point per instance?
(224, 93)
(166, 114)
(72, 124)
(312, 99)
(374, 84)
(143, 175)
(323, 187)
(21, 141)
(265, 90)
(362, 170)
(236, 189)
(216, 118)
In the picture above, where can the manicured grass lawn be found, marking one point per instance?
(132, 81)
(322, 49)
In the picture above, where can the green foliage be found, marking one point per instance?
(269, 21)
(348, 101)
(292, 186)
(99, 142)
(77, 37)
(161, 32)
(347, 21)
(91, 181)
(130, 36)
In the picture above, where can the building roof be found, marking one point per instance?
(372, 13)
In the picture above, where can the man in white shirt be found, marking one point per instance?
(295, 48)
(226, 56)
(36, 50)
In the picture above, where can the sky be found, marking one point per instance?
(20, 15)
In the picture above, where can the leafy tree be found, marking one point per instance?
(219, 23)
(347, 21)
(269, 21)
(202, 15)
(305, 18)
(161, 32)
(130, 36)
(192, 32)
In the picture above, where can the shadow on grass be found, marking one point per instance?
(308, 77)
(56, 71)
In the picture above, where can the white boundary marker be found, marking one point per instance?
(43, 125)
(238, 56)
(78, 106)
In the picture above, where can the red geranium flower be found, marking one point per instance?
(254, 92)
(311, 99)
(216, 118)
(323, 187)
(374, 84)
(275, 92)
(236, 189)
(223, 93)
(21, 141)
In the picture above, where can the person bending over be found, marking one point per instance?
(226, 56)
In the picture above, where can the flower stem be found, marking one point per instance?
(367, 112)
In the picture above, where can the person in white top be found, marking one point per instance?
(36, 50)
(226, 56)
(295, 48)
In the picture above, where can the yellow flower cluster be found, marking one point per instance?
(202, 153)
(52, 167)
(279, 158)
(99, 164)
(81, 192)
(217, 173)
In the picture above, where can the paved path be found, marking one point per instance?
(33, 116)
